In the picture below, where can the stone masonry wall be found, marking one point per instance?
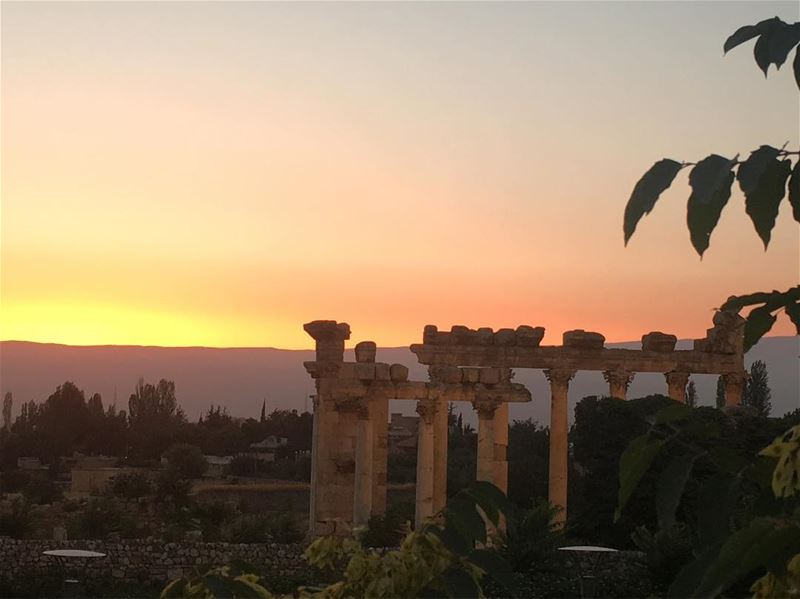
(138, 560)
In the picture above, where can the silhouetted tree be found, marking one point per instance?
(8, 401)
(757, 393)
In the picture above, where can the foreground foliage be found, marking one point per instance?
(746, 516)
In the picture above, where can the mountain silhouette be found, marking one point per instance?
(241, 378)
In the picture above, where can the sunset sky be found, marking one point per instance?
(219, 173)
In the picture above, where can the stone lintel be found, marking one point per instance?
(551, 357)
(344, 390)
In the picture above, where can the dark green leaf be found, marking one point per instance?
(793, 312)
(794, 181)
(497, 568)
(689, 577)
(462, 513)
(491, 499)
(763, 181)
(452, 539)
(716, 500)
(646, 192)
(675, 412)
(220, 586)
(750, 170)
(711, 183)
(727, 459)
(748, 32)
(460, 584)
(758, 323)
(796, 66)
(670, 488)
(759, 544)
(761, 53)
(782, 38)
(634, 462)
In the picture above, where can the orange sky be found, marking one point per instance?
(220, 173)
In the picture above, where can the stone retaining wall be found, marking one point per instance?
(137, 560)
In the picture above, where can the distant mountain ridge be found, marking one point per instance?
(241, 378)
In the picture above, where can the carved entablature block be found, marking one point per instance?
(658, 341)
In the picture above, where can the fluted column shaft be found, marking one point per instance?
(425, 461)
(362, 503)
(440, 433)
(559, 444)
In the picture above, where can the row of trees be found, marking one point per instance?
(68, 422)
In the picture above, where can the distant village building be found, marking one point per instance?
(403, 434)
(30, 463)
(266, 449)
(92, 480)
(218, 466)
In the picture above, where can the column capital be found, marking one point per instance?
(559, 376)
(677, 378)
(735, 378)
(427, 408)
(486, 406)
(327, 330)
(618, 376)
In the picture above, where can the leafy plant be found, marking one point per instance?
(732, 540)
(236, 580)
(447, 556)
(762, 178)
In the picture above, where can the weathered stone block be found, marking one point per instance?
(470, 375)
(445, 374)
(398, 372)
(528, 336)
(490, 376)
(382, 372)
(658, 341)
(505, 337)
(365, 371)
(580, 339)
(429, 334)
(365, 351)
(699, 345)
(461, 335)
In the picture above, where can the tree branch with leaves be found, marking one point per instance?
(763, 177)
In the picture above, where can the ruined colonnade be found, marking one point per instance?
(350, 450)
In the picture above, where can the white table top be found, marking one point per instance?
(73, 553)
(588, 548)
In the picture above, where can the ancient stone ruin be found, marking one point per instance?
(349, 451)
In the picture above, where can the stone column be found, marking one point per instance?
(618, 381)
(362, 500)
(559, 445)
(734, 385)
(500, 475)
(486, 408)
(440, 433)
(676, 384)
(334, 436)
(379, 417)
(426, 409)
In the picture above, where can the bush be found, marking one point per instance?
(16, 521)
(132, 485)
(533, 539)
(102, 516)
(40, 490)
(260, 528)
(388, 530)
(186, 461)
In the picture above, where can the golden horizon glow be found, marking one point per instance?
(217, 174)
